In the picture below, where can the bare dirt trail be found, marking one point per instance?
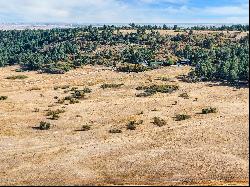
(204, 150)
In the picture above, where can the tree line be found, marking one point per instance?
(217, 56)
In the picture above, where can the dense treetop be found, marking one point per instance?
(215, 56)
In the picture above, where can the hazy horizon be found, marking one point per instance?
(125, 11)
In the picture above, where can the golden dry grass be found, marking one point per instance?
(204, 150)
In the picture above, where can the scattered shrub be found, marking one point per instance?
(61, 87)
(144, 94)
(51, 112)
(104, 86)
(34, 88)
(153, 89)
(74, 88)
(163, 78)
(209, 110)
(14, 77)
(184, 95)
(131, 125)
(159, 122)
(131, 68)
(44, 125)
(78, 94)
(85, 128)
(3, 98)
(181, 117)
(175, 103)
(115, 130)
(73, 101)
(55, 117)
(36, 110)
(86, 90)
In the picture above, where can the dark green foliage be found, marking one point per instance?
(209, 110)
(57, 51)
(159, 122)
(44, 125)
(153, 89)
(14, 77)
(131, 68)
(181, 117)
(104, 86)
(3, 98)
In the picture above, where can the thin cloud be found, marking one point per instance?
(121, 11)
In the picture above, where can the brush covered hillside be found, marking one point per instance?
(103, 106)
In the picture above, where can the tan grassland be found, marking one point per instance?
(207, 149)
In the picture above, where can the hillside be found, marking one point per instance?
(206, 149)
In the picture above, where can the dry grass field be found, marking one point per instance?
(207, 149)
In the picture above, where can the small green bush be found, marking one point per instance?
(51, 112)
(85, 128)
(104, 86)
(73, 101)
(209, 110)
(3, 98)
(184, 95)
(55, 117)
(132, 68)
(61, 87)
(163, 78)
(159, 122)
(34, 88)
(115, 130)
(153, 89)
(14, 77)
(131, 125)
(181, 117)
(44, 125)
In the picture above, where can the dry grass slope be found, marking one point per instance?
(203, 150)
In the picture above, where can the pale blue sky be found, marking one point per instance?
(125, 11)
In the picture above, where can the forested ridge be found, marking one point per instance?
(214, 56)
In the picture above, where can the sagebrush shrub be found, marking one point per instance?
(44, 125)
(104, 86)
(209, 110)
(14, 77)
(159, 122)
(3, 98)
(85, 128)
(115, 130)
(181, 117)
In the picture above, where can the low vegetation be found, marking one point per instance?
(44, 125)
(181, 117)
(14, 77)
(85, 128)
(3, 98)
(159, 122)
(133, 124)
(184, 95)
(52, 112)
(209, 110)
(153, 89)
(115, 130)
(104, 86)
